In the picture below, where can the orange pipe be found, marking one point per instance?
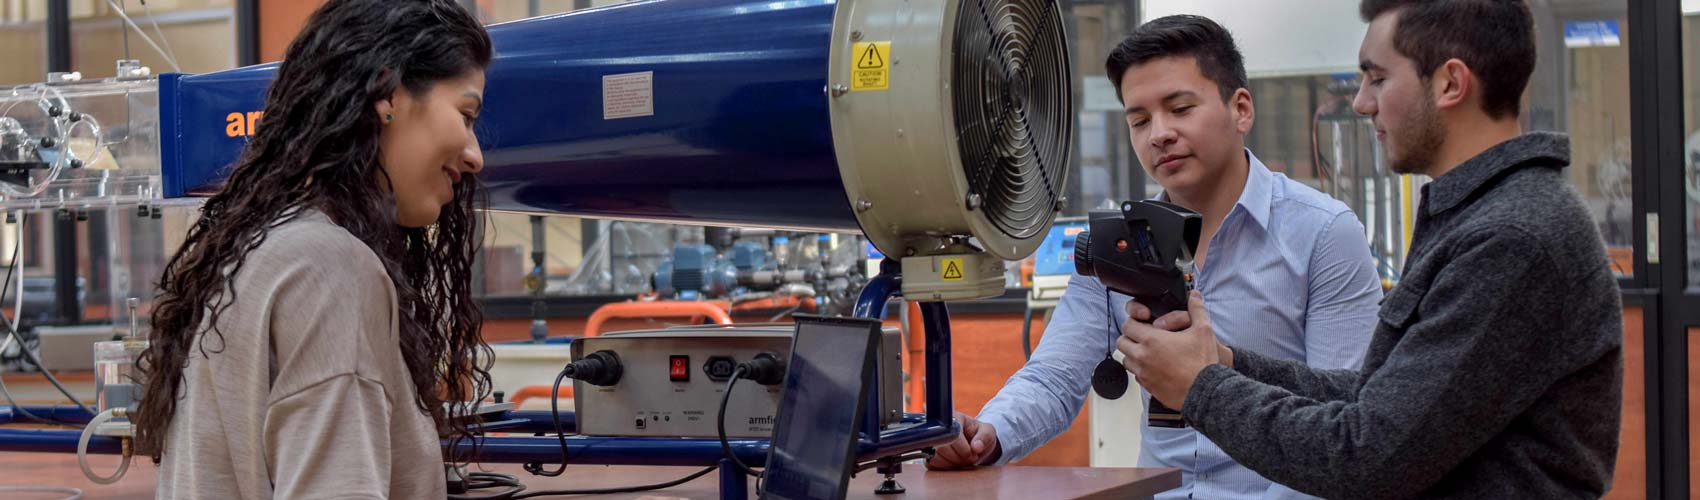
(538, 391)
(915, 360)
(713, 310)
(806, 304)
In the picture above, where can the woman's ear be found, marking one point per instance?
(386, 107)
(386, 110)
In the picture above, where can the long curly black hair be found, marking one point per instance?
(316, 147)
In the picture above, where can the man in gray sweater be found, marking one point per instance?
(1496, 370)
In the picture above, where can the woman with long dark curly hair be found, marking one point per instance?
(319, 315)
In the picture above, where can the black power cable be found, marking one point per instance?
(487, 480)
(764, 369)
(515, 490)
(622, 489)
(23, 348)
(604, 368)
(726, 447)
(1027, 333)
(37, 362)
(599, 368)
(536, 468)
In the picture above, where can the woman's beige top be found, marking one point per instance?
(306, 396)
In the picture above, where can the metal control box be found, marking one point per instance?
(672, 381)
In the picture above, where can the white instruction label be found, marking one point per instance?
(628, 95)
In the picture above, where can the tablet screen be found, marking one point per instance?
(815, 435)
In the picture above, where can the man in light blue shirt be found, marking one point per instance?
(1285, 265)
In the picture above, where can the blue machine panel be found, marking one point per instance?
(731, 124)
(1056, 255)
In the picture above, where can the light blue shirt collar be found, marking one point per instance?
(1258, 194)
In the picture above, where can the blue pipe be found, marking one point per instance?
(871, 303)
(538, 421)
(940, 407)
(556, 340)
(733, 482)
(682, 451)
(67, 414)
(907, 439)
(616, 450)
(52, 441)
(627, 451)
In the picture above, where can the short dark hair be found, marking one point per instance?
(1182, 35)
(1495, 38)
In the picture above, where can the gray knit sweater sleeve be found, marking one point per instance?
(1297, 377)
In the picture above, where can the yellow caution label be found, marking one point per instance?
(870, 68)
(952, 269)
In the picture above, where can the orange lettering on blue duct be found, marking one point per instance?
(235, 125)
(241, 124)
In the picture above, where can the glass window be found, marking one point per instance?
(21, 41)
(1581, 87)
(1306, 129)
(198, 35)
(21, 48)
(1691, 142)
(507, 255)
(1100, 175)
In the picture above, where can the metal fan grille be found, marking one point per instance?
(1013, 103)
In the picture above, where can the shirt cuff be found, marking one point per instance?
(1197, 405)
(1007, 444)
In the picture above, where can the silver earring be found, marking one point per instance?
(389, 117)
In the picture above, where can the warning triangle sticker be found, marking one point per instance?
(952, 271)
(871, 58)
